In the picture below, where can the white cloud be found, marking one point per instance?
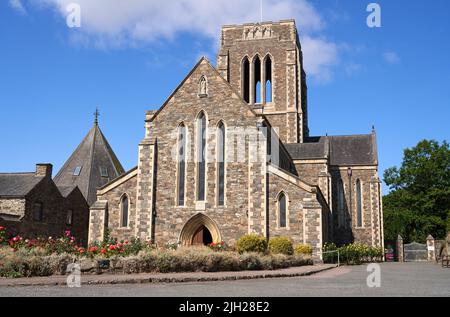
(114, 24)
(319, 56)
(352, 68)
(391, 57)
(18, 6)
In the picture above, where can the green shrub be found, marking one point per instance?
(251, 262)
(281, 245)
(303, 249)
(251, 243)
(14, 264)
(329, 256)
(12, 267)
(353, 254)
(133, 265)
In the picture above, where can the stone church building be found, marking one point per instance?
(230, 153)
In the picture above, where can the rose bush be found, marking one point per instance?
(218, 247)
(2, 235)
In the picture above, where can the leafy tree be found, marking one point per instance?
(419, 202)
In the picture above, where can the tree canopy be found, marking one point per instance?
(419, 202)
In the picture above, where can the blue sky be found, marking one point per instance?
(127, 60)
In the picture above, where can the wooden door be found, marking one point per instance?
(198, 237)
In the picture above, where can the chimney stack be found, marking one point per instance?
(44, 170)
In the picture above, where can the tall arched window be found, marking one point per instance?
(221, 164)
(268, 79)
(257, 77)
(282, 210)
(341, 204)
(182, 142)
(246, 80)
(359, 214)
(201, 157)
(124, 206)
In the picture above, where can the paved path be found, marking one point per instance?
(155, 278)
(410, 279)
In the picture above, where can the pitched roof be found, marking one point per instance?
(66, 190)
(341, 150)
(18, 185)
(93, 155)
(305, 151)
(353, 150)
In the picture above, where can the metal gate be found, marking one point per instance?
(416, 252)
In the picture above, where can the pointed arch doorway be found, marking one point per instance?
(202, 237)
(200, 230)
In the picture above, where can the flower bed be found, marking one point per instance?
(20, 257)
(2, 235)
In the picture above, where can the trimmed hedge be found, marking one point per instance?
(251, 243)
(281, 245)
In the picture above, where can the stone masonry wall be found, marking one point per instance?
(307, 215)
(55, 208)
(80, 216)
(370, 233)
(114, 198)
(294, 198)
(282, 46)
(13, 206)
(221, 104)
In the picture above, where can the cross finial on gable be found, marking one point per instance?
(96, 115)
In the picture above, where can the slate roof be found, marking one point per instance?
(93, 154)
(18, 184)
(305, 151)
(351, 150)
(66, 190)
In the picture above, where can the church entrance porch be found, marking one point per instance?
(200, 230)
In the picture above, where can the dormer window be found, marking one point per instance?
(77, 171)
(104, 172)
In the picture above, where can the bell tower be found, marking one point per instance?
(264, 62)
